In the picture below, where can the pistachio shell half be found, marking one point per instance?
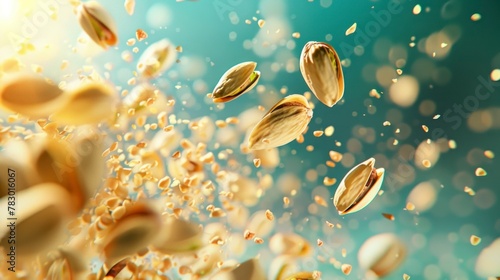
(381, 254)
(248, 270)
(64, 265)
(156, 59)
(359, 187)
(237, 80)
(97, 23)
(321, 68)
(90, 103)
(284, 122)
(131, 233)
(179, 236)
(39, 224)
(30, 95)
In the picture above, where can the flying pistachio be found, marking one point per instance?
(237, 80)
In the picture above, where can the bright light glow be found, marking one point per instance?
(8, 9)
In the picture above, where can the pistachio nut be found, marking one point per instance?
(30, 95)
(248, 270)
(179, 236)
(487, 261)
(97, 23)
(289, 244)
(284, 122)
(359, 187)
(131, 233)
(40, 220)
(237, 80)
(321, 68)
(156, 59)
(381, 254)
(89, 103)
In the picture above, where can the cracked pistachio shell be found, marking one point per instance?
(284, 122)
(321, 68)
(289, 244)
(381, 254)
(353, 194)
(237, 80)
(138, 97)
(156, 59)
(40, 220)
(179, 236)
(131, 233)
(248, 270)
(90, 103)
(97, 23)
(30, 95)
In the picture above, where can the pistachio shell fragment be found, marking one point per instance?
(284, 122)
(179, 236)
(30, 95)
(381, 254)
(359, 187)
(97, 23)
(248, 270)
(63, 265)
(239, 79)
(39, 224)
(90, 103)
(321, 68)
(156, 59)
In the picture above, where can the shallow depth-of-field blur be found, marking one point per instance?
(434, 64)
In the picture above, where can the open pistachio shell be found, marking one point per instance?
(179, 236)
(381, 254)
(321, 68)
(30, 95)
(239, 79)
(90, 103)
(284, 122)
(39, 225)
(156, 59)
(131, 233)
(97, 23)
(289, 244)
(359, 187)
(248, 270)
